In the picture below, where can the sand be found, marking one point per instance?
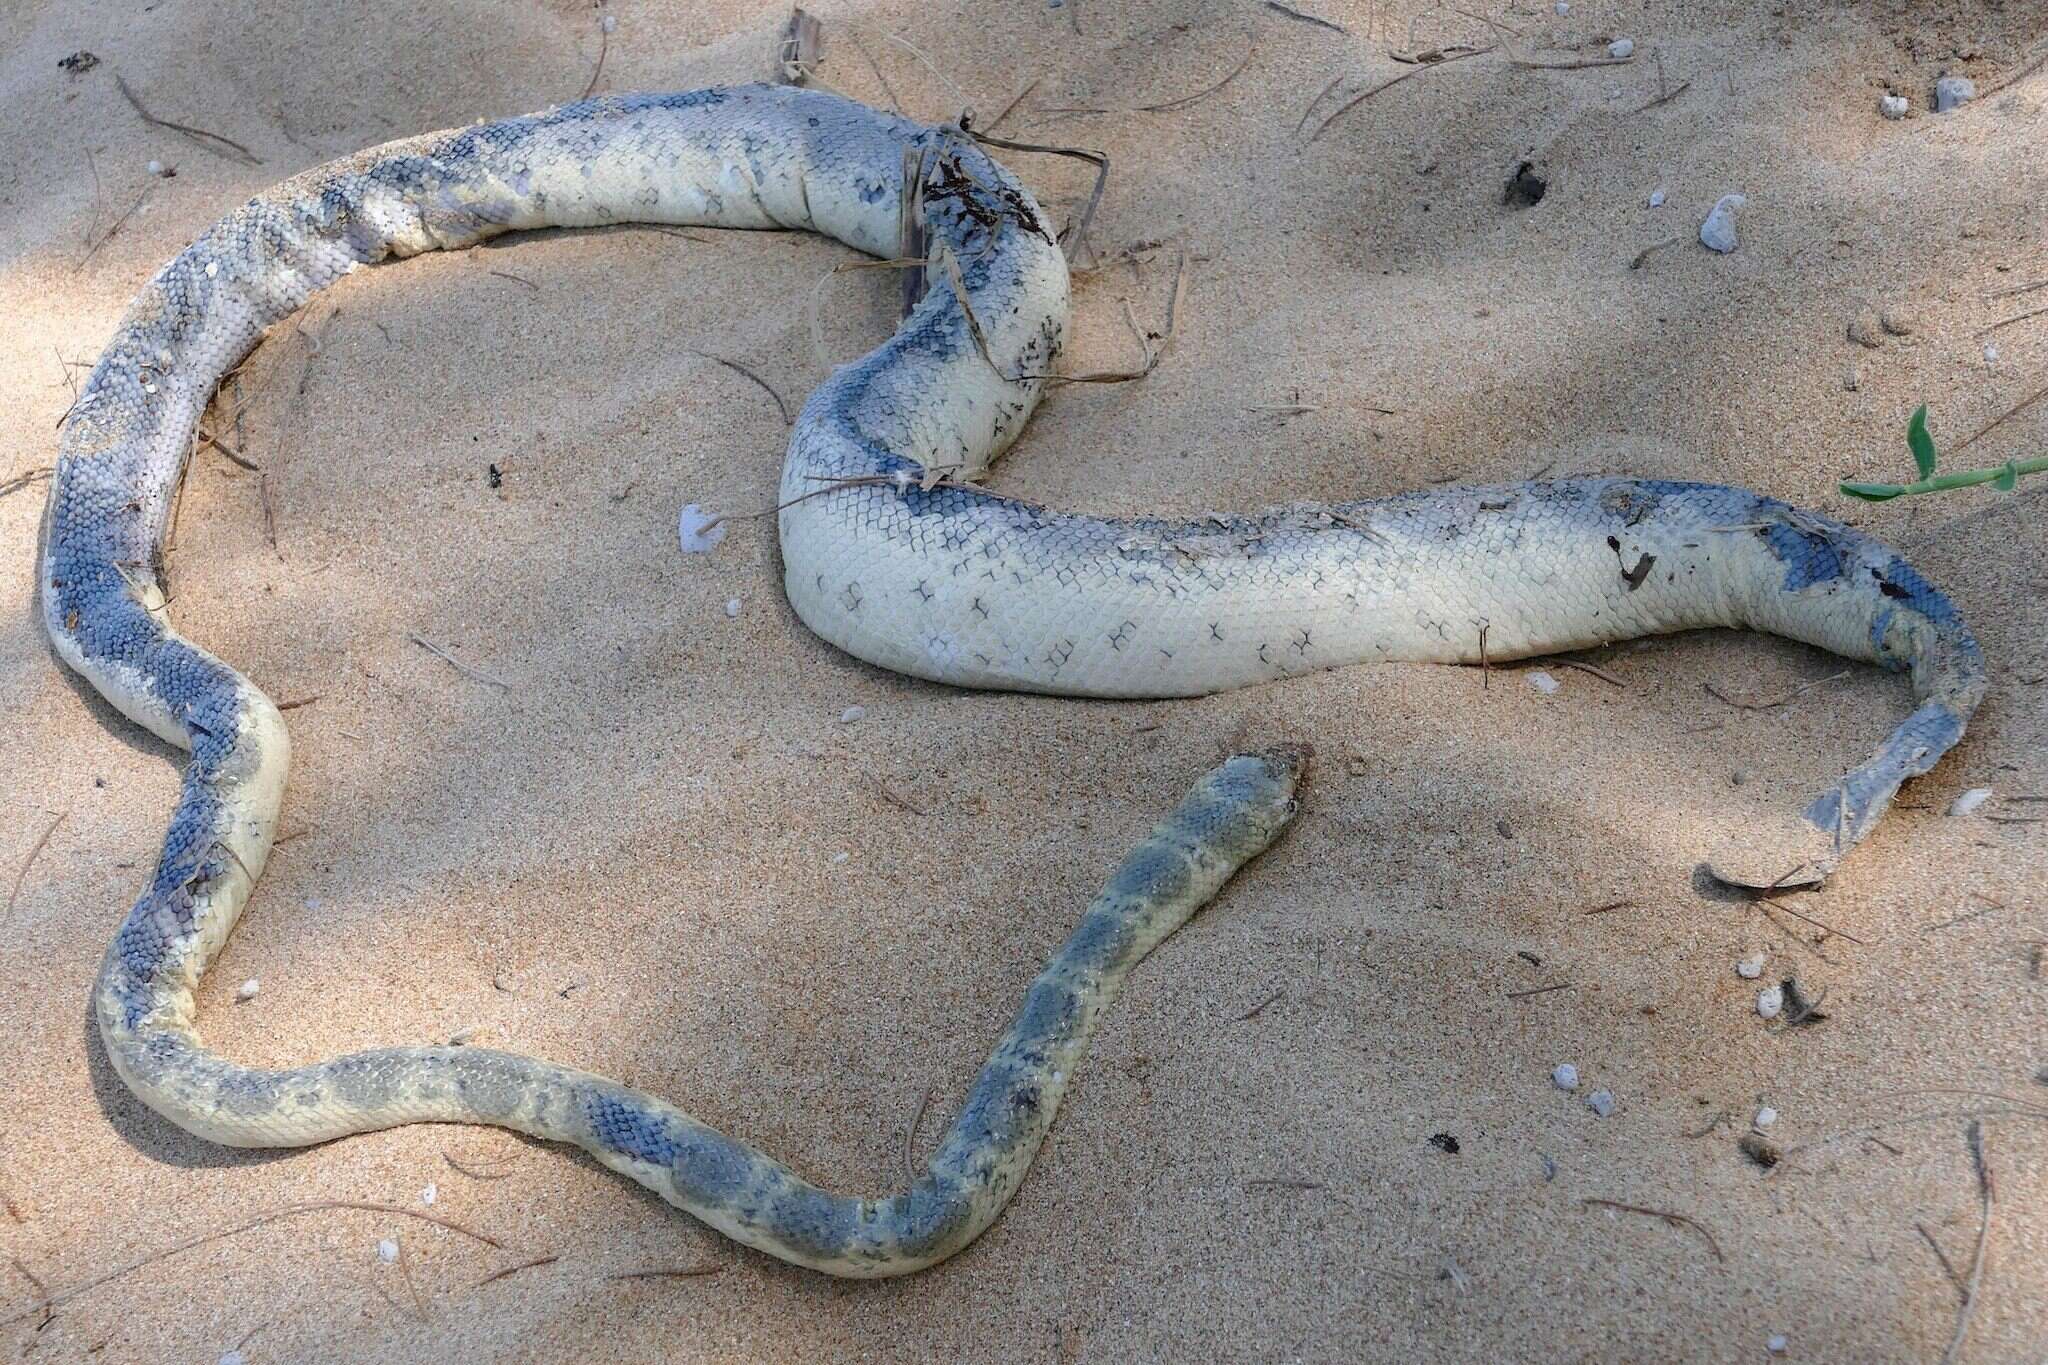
(621, 852)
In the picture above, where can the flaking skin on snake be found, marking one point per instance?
(949, 583)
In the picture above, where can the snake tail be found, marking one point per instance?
(145, 1008)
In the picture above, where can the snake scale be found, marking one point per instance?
(935, 578)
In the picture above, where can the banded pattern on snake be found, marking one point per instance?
(944, 581)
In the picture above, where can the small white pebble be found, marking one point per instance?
(1621, 48)
(840, 857)
(1566, 1077)
(1717, 232)
(387, 1251)
(212, 269)
(700, 532)
(1564, 7)
(430, 1193)
(247, 990)
(1751, 967)
(1766, 1116)
(1601, 1102)
(155, 168)
(1657, 198)
(1951, 91)
(608, 24)
(852, 714)
(1991, 354)
(1769, 1001)
(1893, 106)
(732, 608)
(1969, 801)
(1543, 682)
(1778, 1344)
(231, 1356)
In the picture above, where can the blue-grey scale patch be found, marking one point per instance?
(247, 1092)
(491, 1083)
(1853, 805)
(814, 1223)
(702, 1164)
(366, 1080)
(1809, 557)
(1153, 872)
(1902, 582)
(929, 1217)
(1102, 937)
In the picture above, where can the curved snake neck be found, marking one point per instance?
(947, 582)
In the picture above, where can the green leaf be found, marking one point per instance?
(1921, 442)
(1872, 492)
(2008, 477)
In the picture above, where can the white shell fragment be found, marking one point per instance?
(699, 530)
(247, 990)
(1770, 1001)
(431, 1193)
(1969, 801)
(1657, 198)
(387, 1251)
(608, 24)
(1566, 1077)
(1601, 1102)
(1778, 1344)
(732, 608)
(1766, 1116)
(852, 714)
(1751, 967)
(1893, 106)
(1622, 48)
(1717, 233)
(1543, 682)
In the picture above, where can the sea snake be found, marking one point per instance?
(893, 554)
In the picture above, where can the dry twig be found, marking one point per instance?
(460, 667)
(213, 142)
(1719, 695)
(1444, 60)
(62, 1296)
(34, 852)
(1317, 20)
(1676, 1220)
(767, 388)
(1163, 106)
(1974, 1135)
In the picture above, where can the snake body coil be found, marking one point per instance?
(944, 582)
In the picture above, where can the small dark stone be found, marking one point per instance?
(1444, 1142)
(495, 477)
(78, 63)
(1525, 188)
(1760, 1149)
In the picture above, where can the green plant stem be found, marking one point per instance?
(1879, 492)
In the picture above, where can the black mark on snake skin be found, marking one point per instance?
(1633, 577)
